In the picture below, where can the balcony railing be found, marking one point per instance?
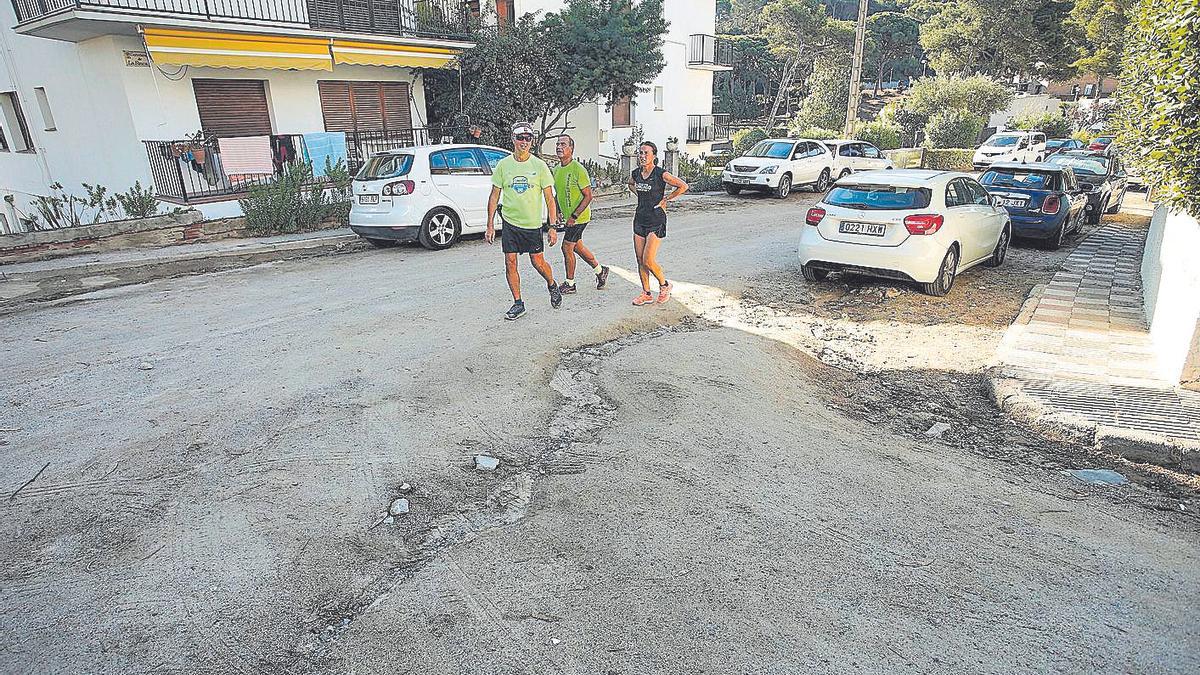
(710, 51)
(190, 172)
(419, 18)
(708, 128)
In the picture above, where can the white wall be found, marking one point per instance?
(1024, 105)
(1171, 291)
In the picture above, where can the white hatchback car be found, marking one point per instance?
(776, 164)
(910, 224)
(852, 156)
(432, 194)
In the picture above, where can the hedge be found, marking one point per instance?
(948, 159)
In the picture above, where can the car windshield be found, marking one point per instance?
(1103, 139)
(1017, 178)
(772, 149)
(1093, 166)
(385, 166)
(1002, 141)
(1055, 144)
(878, 197)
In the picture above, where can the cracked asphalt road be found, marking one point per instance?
(683, 488)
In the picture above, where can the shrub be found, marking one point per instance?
(880, 134)
(62, 209)
(604, 175)
(1051, 124)
(698, 174)
(910, 123)
(744, 139)
(815, 133)
(138, 202)
(293, 202)
(1159, 117)
(953, 129)
(977, 94)
(948, 159)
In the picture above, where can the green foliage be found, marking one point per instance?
(829, 92)
(138, 202)
(541, 70)
(951, 159)
(1100, 32)
(979, 94)
(1159, 117)
(699, 176)
(880, 134)
(746, 92)
(604, 174)
(953, 128)
(294, 202)
(909, 123)
(995, 37)
(816, 133)
(892, 46)
(744, 139)
(62, 209)
(1051, 124)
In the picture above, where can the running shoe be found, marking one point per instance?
(516, 311)
(602, 277)
(664, 292)
(566, 289)
(555, 297)
(644, 299)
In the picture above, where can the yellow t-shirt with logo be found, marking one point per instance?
(521, 185)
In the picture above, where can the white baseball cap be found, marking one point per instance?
(522, 128)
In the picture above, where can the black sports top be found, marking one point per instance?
(650, 191)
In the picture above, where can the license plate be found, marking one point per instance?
(740, 180)
(1016, 203)
(872, 229)
(368, 199)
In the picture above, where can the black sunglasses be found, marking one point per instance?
(523, 137)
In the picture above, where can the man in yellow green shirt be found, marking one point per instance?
(573, 190)
(521, 182)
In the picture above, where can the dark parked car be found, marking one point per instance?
(1055, 145)
(1101, 175)
(1043, 200)
(1101, 144)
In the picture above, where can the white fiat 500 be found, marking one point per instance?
(854, 156)
(776, 164)
(910, 224)
(432, 194)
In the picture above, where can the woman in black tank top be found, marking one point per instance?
(649, 182)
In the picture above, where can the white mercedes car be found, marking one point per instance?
(776, 164)
(432, 194)
(909, 224)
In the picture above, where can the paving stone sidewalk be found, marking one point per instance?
(1079, 355)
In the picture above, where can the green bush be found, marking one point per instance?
(953, 128)
(1159, 115)
(138, 202)
(815, 133)
(744, 139)
(978, 94)
(910, 123)
(1051, 124)
(294, 202)
(948, 159)
(880, 134)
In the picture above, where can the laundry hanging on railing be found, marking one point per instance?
(246, 155)
(323, 145)
(283, 152)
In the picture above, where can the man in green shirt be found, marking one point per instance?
(573, 189)
(522, 182)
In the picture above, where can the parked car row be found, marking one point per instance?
(776, 165)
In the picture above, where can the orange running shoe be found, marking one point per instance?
(664, 292)
(644, 299)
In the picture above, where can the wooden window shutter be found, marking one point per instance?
(335, 105)
(232, 107)
(365, 106)
(367, 102)
(397, 111)
(620, 112)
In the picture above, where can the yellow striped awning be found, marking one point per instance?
(235, 50)
(381, 54)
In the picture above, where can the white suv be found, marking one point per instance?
(852, 156)
(1011, 146)
(776, 164)
(432, 194)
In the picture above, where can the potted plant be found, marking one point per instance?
(629, 147)
(672, 143)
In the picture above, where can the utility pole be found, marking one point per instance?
(860, 38)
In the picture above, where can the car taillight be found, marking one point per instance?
(399, 188)
(814, 216)
(924, 223)
(1051, 205)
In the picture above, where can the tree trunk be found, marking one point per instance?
(784, 81)
(1099, 83)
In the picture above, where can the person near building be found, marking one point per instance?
(573, 190)
(521, 183)
(649, 182)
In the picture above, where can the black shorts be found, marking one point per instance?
(515, 239)
(574, 232)
(656, 224)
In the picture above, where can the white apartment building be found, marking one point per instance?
(678, 102)
(110, 92)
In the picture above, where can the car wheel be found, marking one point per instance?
(945, 279)
(1055, 241)
(822, 183)
(1093, 216)
(812, 273)
(381, 243)
(785, 187)
(843, 174)
(733, 190)
(1116, 207)
(440, 229)
(1001, 250)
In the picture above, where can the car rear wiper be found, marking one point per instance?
(857, 205)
